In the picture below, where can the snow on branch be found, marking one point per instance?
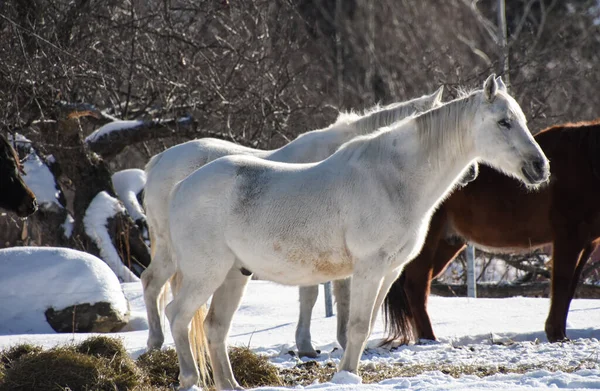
(115, 136)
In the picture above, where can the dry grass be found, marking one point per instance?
(161, 367)
(253, 370)
(101, 363)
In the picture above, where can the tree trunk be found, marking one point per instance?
(89, 176)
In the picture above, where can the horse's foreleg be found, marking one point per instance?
(341, 290)
(566, 254)
(308, 298)
(224, 303)
(153, 280)
(364, 291)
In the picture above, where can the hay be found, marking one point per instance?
(59, 368)
(160, 366)
(101, 346)
(253, 370)
(16, 352)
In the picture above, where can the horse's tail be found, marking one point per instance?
(197, 335)
(397, 314)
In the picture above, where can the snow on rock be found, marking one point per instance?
(103, 207)
(110, 127)
(41, 181)
(128, 184)
(33, 279)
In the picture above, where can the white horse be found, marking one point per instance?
(164, 170)
(363, 212)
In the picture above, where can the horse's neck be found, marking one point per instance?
(443, 153)
(377, 119)
(310, 147)
(427, 165)
(319, 144)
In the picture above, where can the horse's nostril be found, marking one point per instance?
(538, 165)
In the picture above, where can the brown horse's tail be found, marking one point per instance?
(197, 335)
(397, 314)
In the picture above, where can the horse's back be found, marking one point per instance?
(204, 196)
(174, 164)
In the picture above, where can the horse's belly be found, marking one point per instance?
(296, 266)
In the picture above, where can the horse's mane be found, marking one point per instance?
(451, 118)
(429, 125)
(384, 116)
(379, 116)
(579, 137)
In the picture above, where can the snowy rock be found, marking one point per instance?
(36, 282)
(86, 318)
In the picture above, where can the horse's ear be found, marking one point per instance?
(501, 85)
(490, 87)
(437, 96)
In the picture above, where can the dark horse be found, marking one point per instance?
(496, 213)
(15, 196)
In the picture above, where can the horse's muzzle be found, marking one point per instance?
(536, 171)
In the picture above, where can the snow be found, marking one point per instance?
(482, 332)
(41, 181)
(33, 279)
(128, 184)
(68, 225)
(103, 207)
(110, 127)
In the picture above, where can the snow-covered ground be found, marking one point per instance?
(267, 318)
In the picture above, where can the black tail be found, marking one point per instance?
(397, 314)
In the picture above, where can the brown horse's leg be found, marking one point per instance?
(567, 254)
(585, 256)
(418, 286)
(398, 303)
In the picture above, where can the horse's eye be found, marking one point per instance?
(504, 123)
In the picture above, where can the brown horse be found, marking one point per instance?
(15, 196)
(498, 214)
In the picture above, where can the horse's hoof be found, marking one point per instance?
(425, 341)
(309, 354)
(558, 339)
(345, 377)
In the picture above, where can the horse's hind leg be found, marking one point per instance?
(308, 298)
(341, 290)
(585, 256)
(224, 303)
(195, 290)
(153, 281)
(566, 254)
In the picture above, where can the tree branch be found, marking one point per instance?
(112, 143)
